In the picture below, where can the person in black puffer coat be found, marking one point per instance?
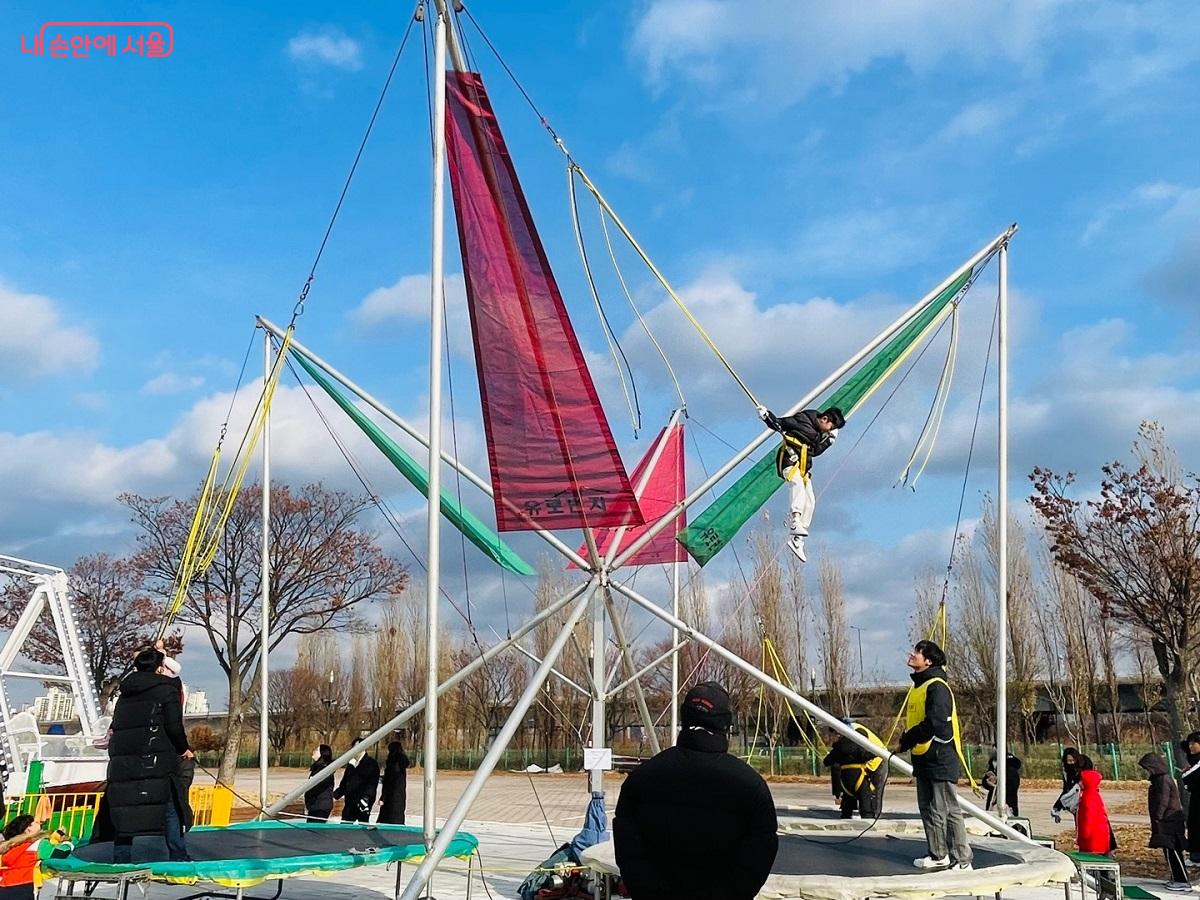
(318, 800)
(144, 754)
(694, 804)
(1191, 781)
(1166, 819)
(358, 788)
(395, 786)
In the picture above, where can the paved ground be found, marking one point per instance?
(515, 836)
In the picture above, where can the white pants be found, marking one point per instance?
(803, 502)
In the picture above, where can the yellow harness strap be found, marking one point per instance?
(801, 465)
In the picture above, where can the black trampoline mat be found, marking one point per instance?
(833, 814)
(273, 842)
(870, 856)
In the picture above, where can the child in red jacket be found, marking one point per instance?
(19, 857)
(1093, 833)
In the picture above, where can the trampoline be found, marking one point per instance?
(834, 867)
(249, 853)
(805, 819)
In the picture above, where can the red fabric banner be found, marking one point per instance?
(657, 495)
(553, 459)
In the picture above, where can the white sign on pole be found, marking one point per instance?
(597, 758)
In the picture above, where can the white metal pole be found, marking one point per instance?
(264, 636)
(457, 678)
(1002, 544)
(897, 762)
(674, 655)
(429, 782)
(654, 530)
(495, 751)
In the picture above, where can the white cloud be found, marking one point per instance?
(328, 47)
(35, 341)
(782, 50)
(976, 119)
(405, 304)
(171, 383)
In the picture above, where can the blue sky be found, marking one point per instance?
(800, 171)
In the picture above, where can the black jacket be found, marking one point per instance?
(143, 753)
(320, 797)
(687, 809)
(1191, 781)
(803, 427)
(1166, 812)
(940, 761)
(360, 784)
(1012, 783)
(395, 788)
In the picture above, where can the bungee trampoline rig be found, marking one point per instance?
(554, 466)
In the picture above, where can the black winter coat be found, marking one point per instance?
(395, 789)
(319, 798)
(1191, 781)
(940, 761)
(359, 785)
(143, 754)
(1012, 784)
(803, 427)
(1166, 812)
(689, 807)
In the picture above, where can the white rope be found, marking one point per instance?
(933, 422)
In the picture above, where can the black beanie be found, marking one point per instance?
(707, 706)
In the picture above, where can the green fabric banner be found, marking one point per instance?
(462, 519)
(709, 532)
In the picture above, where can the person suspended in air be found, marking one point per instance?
(807, 434)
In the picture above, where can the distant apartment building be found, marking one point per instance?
(56, 706)
(196, 703)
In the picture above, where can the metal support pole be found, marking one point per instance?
(654, 530)
(639, 695)
(613, 691)
(1002, 544)
(264, 636)
(897, 762)
(492, 757)
(461, 675)
(436, 296)
(674, 655)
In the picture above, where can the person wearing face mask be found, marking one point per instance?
(318, 800)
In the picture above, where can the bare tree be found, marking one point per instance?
(322, 567)
(1137, 548)
(834, 639)
(114, 617)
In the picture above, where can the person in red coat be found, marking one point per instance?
(1093, 834)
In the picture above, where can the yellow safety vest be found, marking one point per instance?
(916, 715)
(863, 768)
(800, 449)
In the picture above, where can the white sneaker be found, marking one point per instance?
(929, 863)
(1180, 887)
(796, 545)
(963, 867)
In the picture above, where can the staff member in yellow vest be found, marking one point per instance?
(858, 775)
(932, 734)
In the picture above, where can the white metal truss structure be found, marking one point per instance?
(595, 595)
(20, 741)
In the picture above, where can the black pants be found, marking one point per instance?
(1175, 863)
(319, 815)
(17, 892)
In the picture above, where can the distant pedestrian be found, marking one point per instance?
(1191, 781)
(395, 786)
(1093, 832)
(358, 788)
(1068, 797)
(1012, 783)
(318, 799)
(1167, 820)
